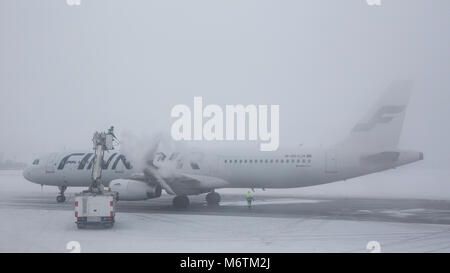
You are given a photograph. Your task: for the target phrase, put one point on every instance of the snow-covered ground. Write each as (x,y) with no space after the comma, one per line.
(29,230)
(33,222)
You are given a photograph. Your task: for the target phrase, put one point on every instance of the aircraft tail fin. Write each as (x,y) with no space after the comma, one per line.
(380,129)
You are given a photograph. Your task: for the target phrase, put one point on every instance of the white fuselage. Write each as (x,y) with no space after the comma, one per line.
(288,169)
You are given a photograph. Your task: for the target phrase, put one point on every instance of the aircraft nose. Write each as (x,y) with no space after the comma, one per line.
(27,174)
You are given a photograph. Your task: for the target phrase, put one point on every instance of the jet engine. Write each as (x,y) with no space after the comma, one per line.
(133,190)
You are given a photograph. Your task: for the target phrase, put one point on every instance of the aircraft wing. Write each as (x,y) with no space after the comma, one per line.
(181,183)
(162,169)
(151,176)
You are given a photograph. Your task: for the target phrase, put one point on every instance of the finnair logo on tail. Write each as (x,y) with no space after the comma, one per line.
(384,115)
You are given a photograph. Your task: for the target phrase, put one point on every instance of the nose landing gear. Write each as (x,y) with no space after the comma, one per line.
(61,198)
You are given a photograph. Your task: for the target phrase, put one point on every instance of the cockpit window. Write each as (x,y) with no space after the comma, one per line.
(194,166)
(36,162)
(179,164)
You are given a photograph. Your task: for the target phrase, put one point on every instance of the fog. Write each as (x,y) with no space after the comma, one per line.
(66,71)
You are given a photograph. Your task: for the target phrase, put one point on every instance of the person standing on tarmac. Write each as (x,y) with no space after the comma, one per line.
(249,198)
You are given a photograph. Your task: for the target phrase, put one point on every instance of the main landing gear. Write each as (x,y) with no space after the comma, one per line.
(61,198)
(213,199)
(180,201)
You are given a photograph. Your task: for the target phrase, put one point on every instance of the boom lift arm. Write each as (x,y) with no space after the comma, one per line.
(101,142)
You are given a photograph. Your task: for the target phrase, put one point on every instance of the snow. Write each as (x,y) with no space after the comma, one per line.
(49,231)
(33,222)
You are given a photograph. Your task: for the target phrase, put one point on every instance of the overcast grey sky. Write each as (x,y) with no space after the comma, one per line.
(67,71)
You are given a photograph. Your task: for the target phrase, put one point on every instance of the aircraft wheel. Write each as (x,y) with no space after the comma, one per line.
(60,199)
(180,202)
(213,199)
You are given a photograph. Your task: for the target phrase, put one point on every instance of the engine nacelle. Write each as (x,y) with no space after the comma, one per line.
(133,190)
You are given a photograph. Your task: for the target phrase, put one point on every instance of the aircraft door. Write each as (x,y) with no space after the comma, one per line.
(224,165)
(331,162)
(50,166)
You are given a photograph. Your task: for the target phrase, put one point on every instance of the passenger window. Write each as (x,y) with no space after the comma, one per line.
(36,162)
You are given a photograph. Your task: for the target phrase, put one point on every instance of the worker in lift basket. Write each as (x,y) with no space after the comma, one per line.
(249,198)
(111,132)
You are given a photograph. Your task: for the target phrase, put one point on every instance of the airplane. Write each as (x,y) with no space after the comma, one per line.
(371,146)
